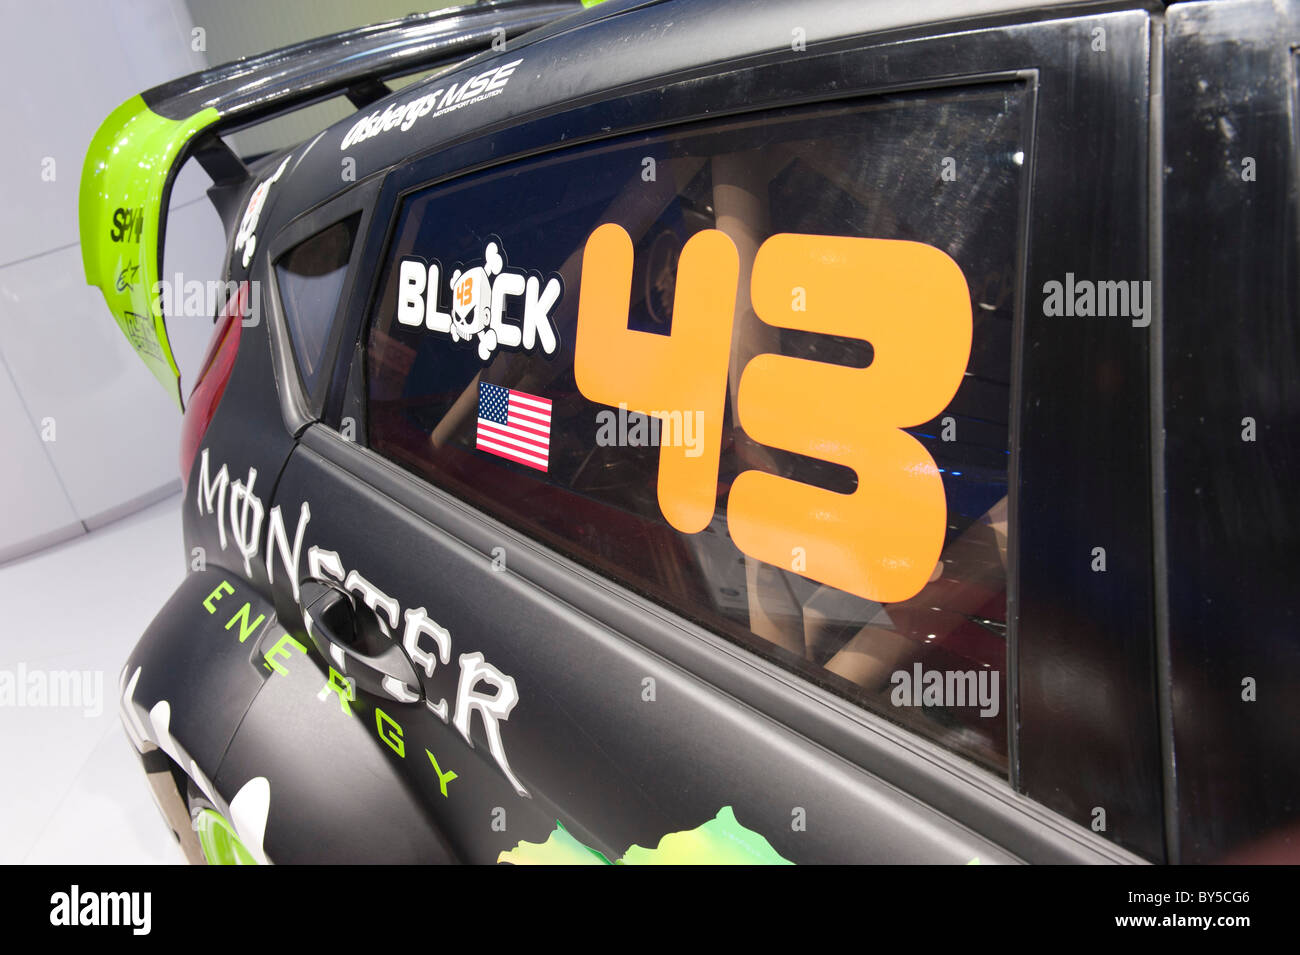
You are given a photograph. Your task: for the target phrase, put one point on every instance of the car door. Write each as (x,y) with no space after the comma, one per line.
(623,376)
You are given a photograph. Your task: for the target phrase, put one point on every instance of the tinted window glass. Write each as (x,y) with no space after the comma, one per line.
(310,278)
(473,385)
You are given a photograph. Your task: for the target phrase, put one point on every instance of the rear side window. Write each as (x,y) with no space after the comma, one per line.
(310,280)
(757,370)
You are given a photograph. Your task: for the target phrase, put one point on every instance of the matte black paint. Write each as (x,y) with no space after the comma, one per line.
(729,729)
(335,794)
(206,676)
(614,768)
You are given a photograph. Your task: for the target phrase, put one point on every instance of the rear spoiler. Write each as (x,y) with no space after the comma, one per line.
(133,159)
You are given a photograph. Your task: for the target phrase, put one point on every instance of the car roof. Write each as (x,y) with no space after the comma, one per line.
(625,44)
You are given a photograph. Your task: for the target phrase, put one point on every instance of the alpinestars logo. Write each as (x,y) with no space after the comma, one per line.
(480,300)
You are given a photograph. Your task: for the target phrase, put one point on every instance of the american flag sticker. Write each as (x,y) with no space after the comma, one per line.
(515,425)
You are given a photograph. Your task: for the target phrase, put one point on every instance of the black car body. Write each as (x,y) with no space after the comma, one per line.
(1051,246)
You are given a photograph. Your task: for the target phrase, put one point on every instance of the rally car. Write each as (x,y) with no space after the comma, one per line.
(732,431)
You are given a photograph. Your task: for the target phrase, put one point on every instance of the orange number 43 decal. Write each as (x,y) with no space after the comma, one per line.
(909,300)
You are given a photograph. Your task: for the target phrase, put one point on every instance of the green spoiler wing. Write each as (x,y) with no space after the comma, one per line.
(125,183)
(127,176)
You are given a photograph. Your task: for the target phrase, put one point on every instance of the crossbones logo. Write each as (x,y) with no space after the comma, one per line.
(471,298)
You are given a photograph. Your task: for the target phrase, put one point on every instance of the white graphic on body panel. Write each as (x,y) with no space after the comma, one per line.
(481,295)
(245,238)
(248,809)
(444,99)
(240,511)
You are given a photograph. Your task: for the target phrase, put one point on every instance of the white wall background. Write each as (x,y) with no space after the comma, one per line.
(86,433)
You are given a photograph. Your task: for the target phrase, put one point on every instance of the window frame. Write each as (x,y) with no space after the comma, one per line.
(799,127)
(300,404)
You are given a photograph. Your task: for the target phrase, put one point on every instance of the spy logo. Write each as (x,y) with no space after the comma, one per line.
(127,225)
(475,304)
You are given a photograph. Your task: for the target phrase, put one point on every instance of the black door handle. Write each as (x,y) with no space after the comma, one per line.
(350,635)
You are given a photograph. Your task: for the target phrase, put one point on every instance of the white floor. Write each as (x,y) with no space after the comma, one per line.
(71,789)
